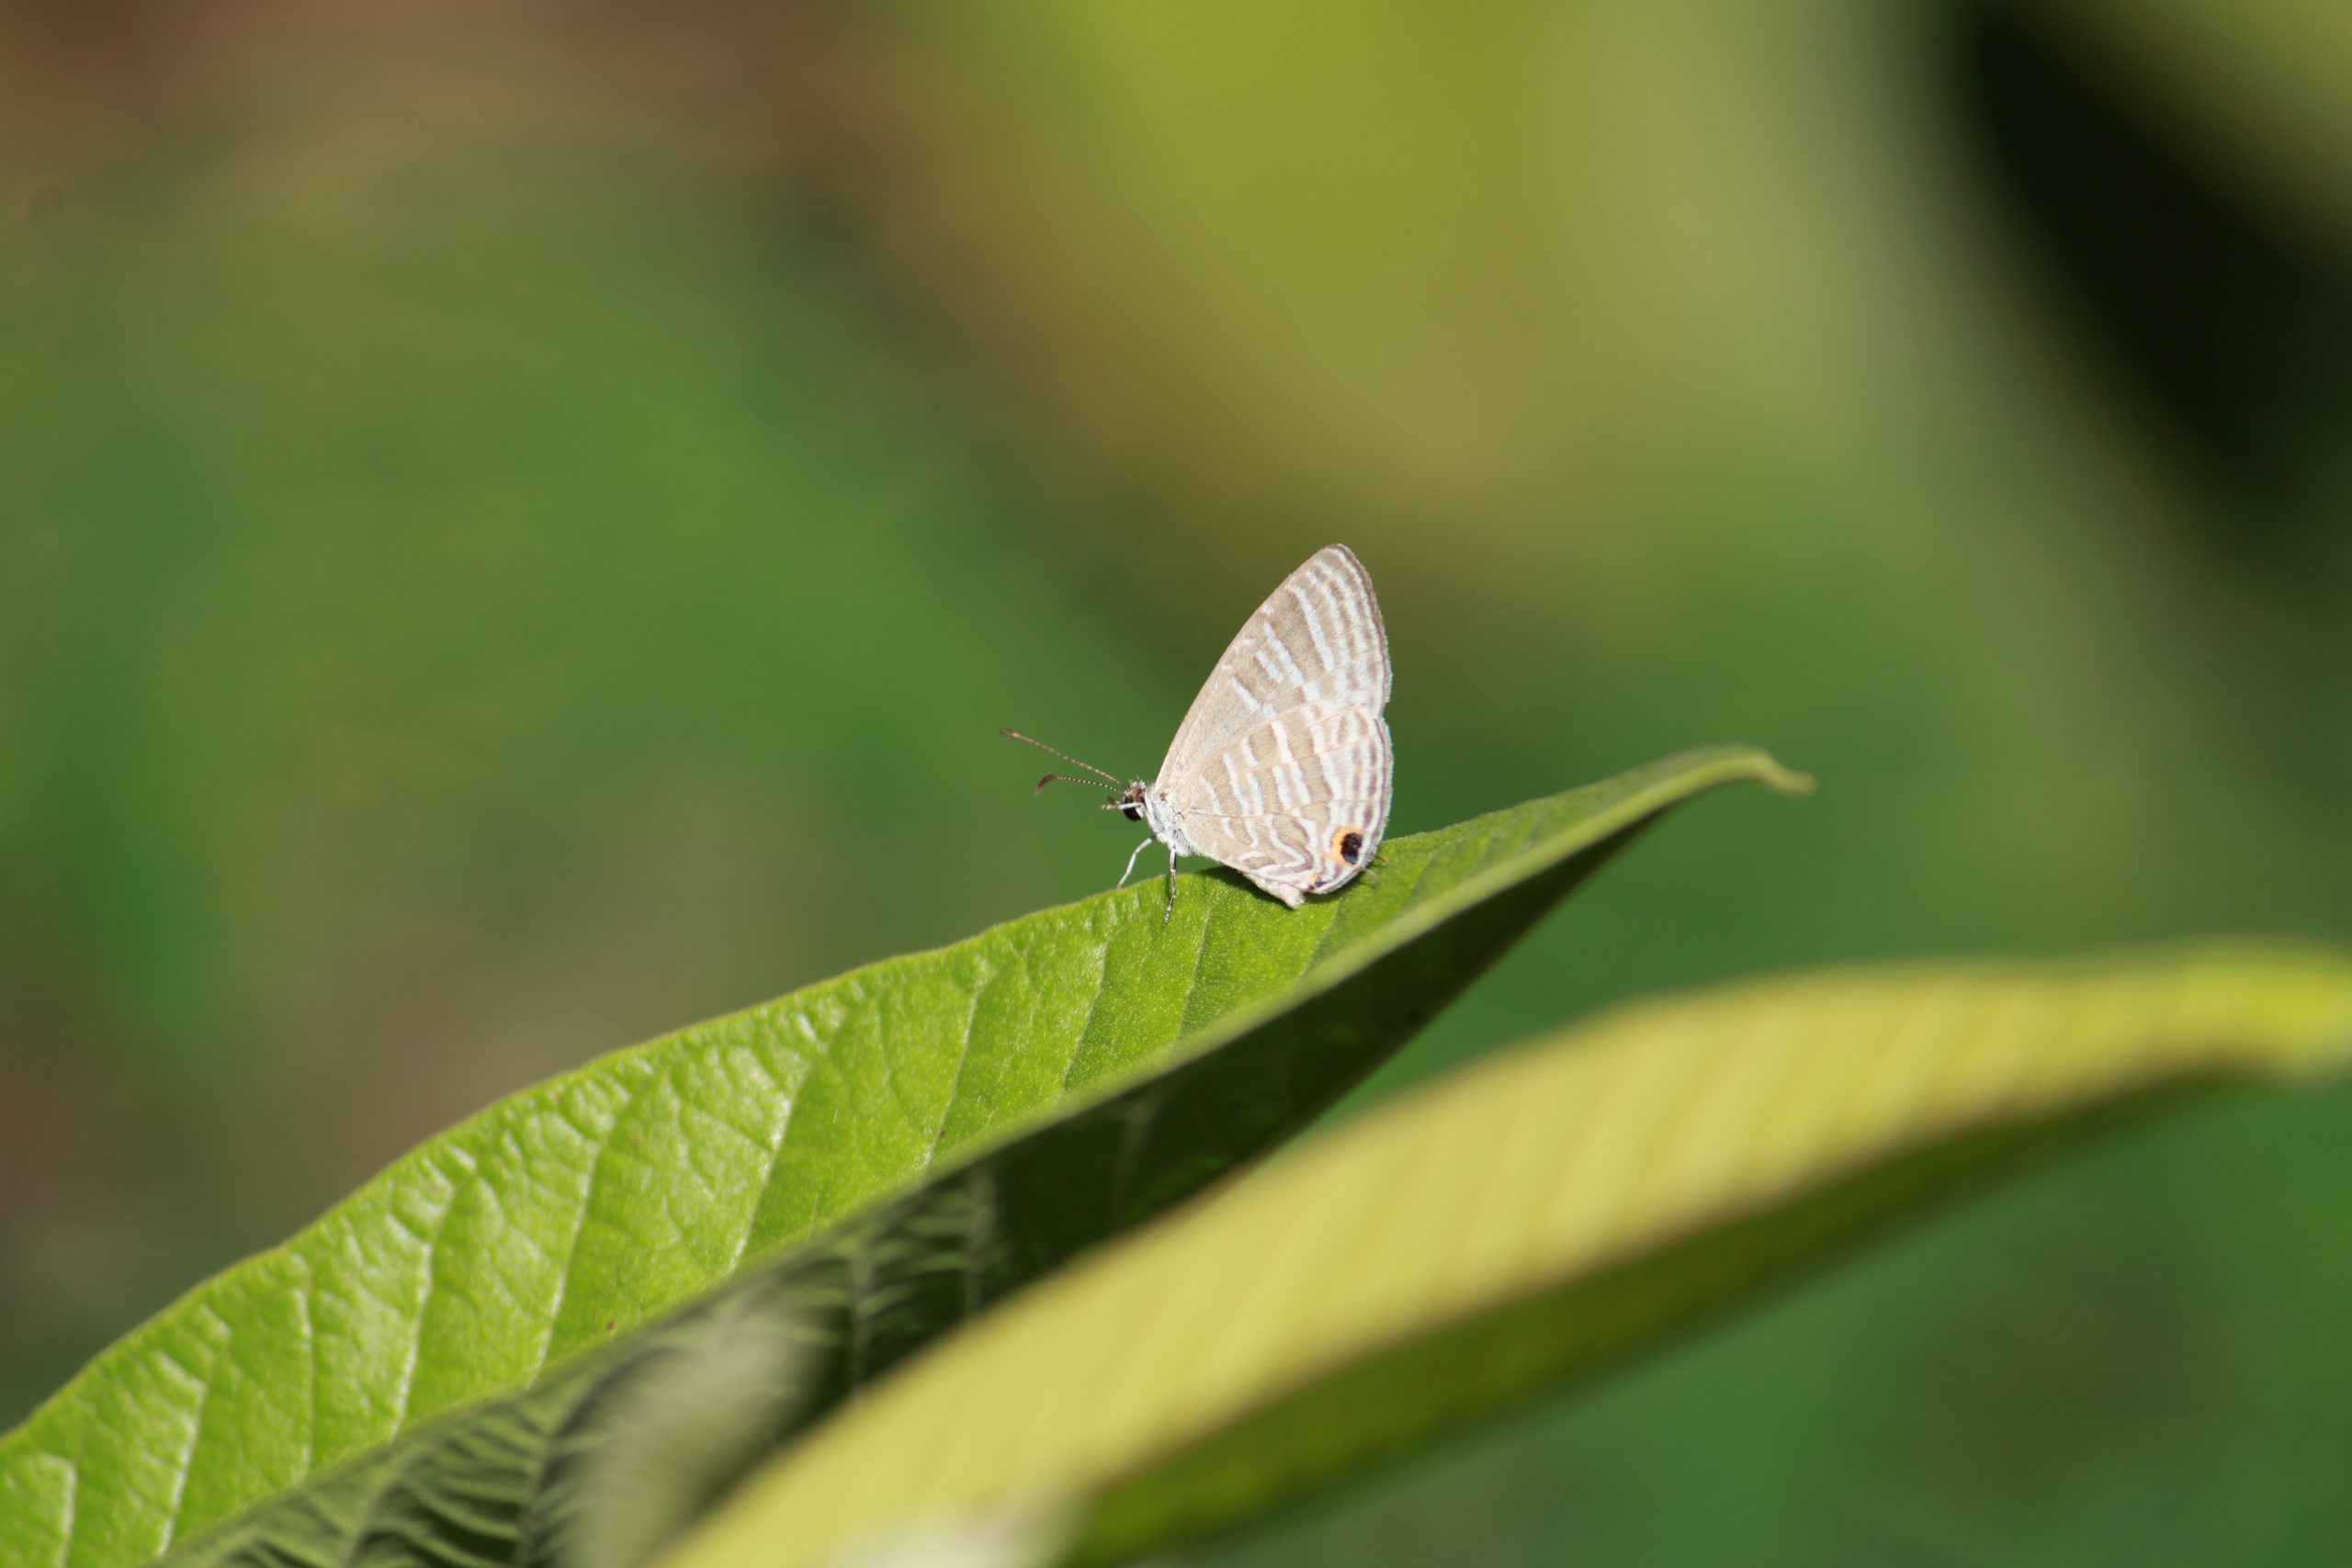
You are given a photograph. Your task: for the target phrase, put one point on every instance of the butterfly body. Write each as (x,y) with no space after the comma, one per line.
(1283,768)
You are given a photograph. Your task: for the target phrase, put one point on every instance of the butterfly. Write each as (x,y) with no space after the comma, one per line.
(1283,769)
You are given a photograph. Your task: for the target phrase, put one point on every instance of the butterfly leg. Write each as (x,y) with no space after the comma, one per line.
(1131,865)
(1165,915)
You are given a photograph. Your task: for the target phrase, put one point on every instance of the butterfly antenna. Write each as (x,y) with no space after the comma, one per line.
(1067,778)
(1073,761)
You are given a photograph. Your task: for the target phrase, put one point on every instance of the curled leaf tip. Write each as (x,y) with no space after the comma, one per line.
(1755,763)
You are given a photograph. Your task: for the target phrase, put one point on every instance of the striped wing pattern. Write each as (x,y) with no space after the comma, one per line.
(1282,770)
(1318,639)
(1298,803)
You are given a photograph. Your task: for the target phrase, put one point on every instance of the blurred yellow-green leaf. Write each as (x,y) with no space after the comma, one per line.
(1543,1215)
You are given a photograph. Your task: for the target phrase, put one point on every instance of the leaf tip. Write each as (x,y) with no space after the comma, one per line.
(1775,775)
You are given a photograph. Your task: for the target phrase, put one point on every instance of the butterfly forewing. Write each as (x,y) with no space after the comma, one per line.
(1318,639)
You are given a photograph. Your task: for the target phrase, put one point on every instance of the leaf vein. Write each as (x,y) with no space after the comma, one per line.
(1094,1007)
(989,976)
(602,1144)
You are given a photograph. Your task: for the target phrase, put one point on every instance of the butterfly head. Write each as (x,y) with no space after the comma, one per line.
(1130,804)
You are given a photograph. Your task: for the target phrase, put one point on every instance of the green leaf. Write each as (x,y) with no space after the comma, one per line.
(1533,1219)
(552,1222)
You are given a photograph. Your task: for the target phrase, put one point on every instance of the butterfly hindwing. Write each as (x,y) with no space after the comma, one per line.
(1298,803)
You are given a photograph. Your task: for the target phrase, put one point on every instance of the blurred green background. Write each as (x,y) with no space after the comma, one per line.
(518,527)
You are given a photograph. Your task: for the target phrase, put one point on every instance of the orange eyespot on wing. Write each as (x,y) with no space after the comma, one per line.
(1346,844)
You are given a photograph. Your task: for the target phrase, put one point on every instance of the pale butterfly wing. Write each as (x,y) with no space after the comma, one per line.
(1282,770)
(1318,639)
(1296,803)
